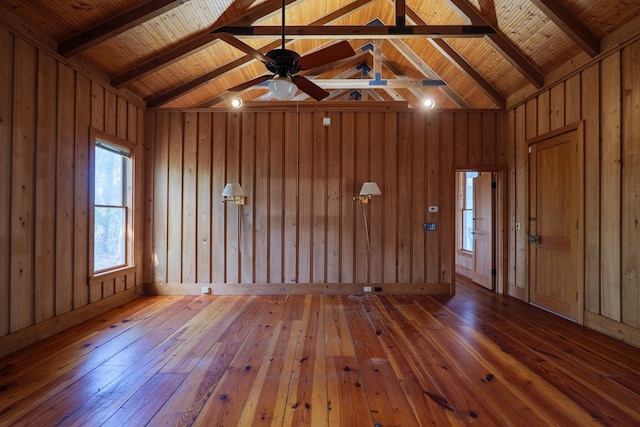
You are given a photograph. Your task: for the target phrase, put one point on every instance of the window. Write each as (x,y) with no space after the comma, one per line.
(466,196)
(112,198)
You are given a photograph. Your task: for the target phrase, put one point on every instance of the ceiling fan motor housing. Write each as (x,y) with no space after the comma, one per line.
(285,62)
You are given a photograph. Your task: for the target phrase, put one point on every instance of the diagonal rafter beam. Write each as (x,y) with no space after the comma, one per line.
(500,43)
(466,68)
(205,78)
(193,45)
(115,26)
(570,25)
(415,60)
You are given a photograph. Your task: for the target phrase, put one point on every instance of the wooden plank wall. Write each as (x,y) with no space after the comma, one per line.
(300,224)
(606,96)
(46,111)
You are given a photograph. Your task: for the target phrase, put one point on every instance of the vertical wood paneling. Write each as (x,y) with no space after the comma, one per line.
(347,191)
(590,103)
(22,186)
(289,163)
(557,102)
(301,224)
(334,178)
(610,187)
(6,123)
(511,210)
(376,208)
(261,199)
(204,199)
(174,200)
(521,229)
(189,197)
(446,202)
(277,215)
(319,258)
(362,156)
(631,186)
(218,229)
(404,197)
(572,88)
(474,131)
(305,143)
(46,110)
(149,255)
(390,234)
(434,194)
(81,205)
(247,173)
(461,134)
(45,201)
(65,189)
(489,139)
(160,196)
(544,112)
(420,169)
(234,135)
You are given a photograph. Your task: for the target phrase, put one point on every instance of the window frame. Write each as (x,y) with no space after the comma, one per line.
(462,209)
(100,138)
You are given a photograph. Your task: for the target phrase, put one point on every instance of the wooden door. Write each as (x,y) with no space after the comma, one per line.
(555,246)
(483,231)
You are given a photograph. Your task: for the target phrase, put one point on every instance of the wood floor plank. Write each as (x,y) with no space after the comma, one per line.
(475,358)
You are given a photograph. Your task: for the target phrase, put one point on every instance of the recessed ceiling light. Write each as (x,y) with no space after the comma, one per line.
(236,102)
(429,103)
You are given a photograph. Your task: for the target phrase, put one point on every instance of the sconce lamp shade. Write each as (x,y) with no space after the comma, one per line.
(233,192)
(368,190)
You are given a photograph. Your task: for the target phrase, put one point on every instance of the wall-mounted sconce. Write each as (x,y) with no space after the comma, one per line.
(368,190)
(233,193)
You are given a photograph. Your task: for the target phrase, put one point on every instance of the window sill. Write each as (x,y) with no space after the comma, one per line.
(111,274)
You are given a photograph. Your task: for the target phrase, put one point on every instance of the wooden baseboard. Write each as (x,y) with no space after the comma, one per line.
(298,288)
(27,336)
(612,328)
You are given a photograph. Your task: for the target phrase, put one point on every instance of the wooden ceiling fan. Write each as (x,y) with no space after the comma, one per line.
(283,64)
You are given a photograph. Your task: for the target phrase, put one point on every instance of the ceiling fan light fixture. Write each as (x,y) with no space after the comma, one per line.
(282,89)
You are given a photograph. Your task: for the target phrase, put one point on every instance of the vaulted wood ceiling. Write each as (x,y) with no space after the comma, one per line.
(461,53)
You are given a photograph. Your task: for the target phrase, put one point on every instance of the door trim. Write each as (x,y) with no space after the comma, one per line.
(500,231)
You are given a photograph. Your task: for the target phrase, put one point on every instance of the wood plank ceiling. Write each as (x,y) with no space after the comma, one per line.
(170,53)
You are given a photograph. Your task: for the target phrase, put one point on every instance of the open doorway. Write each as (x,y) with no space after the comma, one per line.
(479,240)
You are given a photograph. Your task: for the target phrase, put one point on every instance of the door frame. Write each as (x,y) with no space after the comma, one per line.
(500,228)
(579,262)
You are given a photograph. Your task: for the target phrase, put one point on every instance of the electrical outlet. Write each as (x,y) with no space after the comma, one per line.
(367,288)
(206,290)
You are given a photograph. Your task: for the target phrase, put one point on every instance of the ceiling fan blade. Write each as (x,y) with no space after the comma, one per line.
(240,45)
(328,54)
(248,84)
(310,88)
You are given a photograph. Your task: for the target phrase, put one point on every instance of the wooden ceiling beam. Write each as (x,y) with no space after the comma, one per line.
(570,25)
(400,13)
(456,59)
(115,26)
(415,60)
(201,80)
(192,46)
(500,43)
(360,31)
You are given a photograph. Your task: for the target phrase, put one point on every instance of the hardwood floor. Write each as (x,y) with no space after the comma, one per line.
(375,360)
